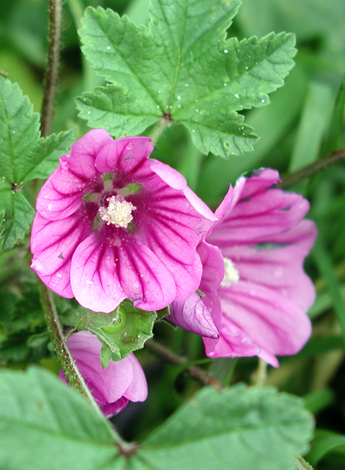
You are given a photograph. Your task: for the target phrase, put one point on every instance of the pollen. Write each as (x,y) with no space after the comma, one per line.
(231,275)
(118,212)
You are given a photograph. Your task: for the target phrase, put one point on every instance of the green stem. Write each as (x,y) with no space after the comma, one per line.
(260,375)
(64,357)
(54,44)
(158,129)
(51,316)
(320,165)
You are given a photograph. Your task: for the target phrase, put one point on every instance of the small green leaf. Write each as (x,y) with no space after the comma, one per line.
(121,332)
(184,69)
(24,155)
(253,428)
(17,216)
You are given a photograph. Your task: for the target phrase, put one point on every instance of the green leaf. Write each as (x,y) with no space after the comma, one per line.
(47,153)
(253,428)
(121,332)
(314,121)
(337,122)
(324,264)
(24,155)
(45,424)
(183,69)
(324,442)
(113,109)
(271,123)
(17,216)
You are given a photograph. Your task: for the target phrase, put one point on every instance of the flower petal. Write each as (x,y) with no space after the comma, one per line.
(123,155)
(111,409)
(144,277)
(104,274)
(277,263)
(111,382)
(259,212)
(61,195)
(81,161)
(213,267)
(232,342)
(272,321)
(168,174)
(137,390)
(194,316)
(53,244)
(93,276)
(63,192)
(167,223)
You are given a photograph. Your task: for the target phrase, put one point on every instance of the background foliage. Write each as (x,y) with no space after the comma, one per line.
(305,121)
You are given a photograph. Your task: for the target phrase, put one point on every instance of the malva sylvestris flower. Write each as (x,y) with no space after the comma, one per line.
(113,224)
(112,387)
(253,280)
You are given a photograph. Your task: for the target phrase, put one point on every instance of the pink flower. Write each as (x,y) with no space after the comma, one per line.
(112,387)
(253,279)
(112,224)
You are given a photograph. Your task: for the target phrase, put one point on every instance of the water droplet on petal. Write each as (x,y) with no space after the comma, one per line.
(64,165)
(36,265)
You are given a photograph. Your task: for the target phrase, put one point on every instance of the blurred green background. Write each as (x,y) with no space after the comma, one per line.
(304,122)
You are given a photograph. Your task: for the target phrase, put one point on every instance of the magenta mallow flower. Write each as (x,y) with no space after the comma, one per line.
(113,224)
(112,387)
(253,280)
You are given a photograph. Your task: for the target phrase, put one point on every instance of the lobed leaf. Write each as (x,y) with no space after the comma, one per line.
(179,66)
(45,424)
(253,428)
(24,155)
(113,109)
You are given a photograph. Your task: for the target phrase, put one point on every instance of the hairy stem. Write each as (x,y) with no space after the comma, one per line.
(57,338)
(51,316)
(320,165)
(168,356)
(51,78)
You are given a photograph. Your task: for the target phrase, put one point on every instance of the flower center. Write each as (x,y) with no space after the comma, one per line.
(231,274)
(118,212)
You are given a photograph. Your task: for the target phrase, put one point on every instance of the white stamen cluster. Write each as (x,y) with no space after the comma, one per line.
(118,212)
(231,274)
